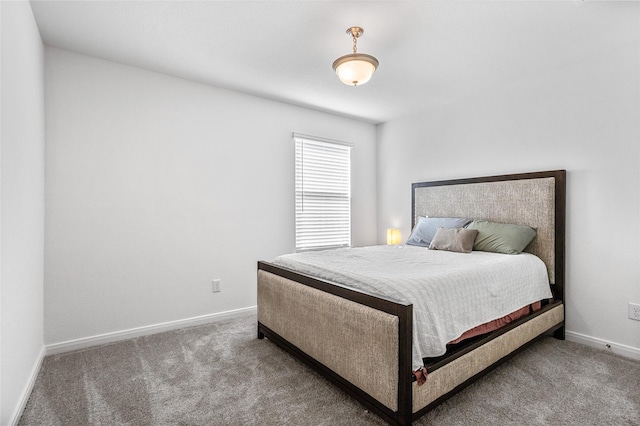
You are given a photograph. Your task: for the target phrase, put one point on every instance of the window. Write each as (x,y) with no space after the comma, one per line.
(323,194)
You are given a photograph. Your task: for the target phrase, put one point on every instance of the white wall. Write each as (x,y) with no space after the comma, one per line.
(157,185)
(584,118)
(22,207)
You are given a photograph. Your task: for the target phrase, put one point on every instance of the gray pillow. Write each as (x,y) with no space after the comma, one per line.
(454,239)
(501,237)
(426,228)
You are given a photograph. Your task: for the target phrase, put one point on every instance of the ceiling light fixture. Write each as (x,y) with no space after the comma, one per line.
(355,68)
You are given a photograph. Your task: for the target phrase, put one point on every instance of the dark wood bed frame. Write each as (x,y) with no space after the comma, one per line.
(406,413)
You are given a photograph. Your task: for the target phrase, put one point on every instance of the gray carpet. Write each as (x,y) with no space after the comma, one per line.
(220,374)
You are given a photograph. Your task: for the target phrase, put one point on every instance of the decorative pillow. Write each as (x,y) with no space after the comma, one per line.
(426,228)
(501,237)
(454,239)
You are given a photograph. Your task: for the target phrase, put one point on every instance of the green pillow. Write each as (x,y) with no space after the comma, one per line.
(501,237)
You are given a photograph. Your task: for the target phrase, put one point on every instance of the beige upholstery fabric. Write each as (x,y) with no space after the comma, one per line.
(522,202)
(355,341)
(446,378)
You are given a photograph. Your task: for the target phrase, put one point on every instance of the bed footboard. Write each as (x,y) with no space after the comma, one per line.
(355,345)
(363,343)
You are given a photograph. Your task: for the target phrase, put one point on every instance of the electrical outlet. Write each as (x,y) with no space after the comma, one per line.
(634,311)
(215,286)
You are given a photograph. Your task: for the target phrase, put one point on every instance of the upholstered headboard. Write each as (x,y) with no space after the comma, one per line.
(533,199)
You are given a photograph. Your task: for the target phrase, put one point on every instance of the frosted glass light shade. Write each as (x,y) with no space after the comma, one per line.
(355,69)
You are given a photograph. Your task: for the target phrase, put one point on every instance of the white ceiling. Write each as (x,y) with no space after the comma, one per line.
(431,53)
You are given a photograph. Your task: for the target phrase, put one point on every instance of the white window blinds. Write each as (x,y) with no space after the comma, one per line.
(323,194)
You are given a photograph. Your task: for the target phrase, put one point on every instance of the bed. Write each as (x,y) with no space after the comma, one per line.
(364,341)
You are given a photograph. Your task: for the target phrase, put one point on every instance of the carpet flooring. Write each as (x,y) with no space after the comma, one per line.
(220,374)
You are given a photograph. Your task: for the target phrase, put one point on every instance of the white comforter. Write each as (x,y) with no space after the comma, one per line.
(450,292)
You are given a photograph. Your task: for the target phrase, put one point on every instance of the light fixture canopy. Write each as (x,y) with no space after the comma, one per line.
(355,68)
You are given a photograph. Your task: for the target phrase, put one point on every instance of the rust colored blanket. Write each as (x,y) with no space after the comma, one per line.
(421,375)
(490,326)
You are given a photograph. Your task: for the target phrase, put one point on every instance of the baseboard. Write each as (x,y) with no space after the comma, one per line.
(85,342)
(617,348)
(26,392)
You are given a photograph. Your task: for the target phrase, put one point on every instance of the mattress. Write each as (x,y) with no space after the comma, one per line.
(450,292)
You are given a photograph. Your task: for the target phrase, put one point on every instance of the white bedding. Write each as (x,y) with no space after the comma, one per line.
(450,292)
